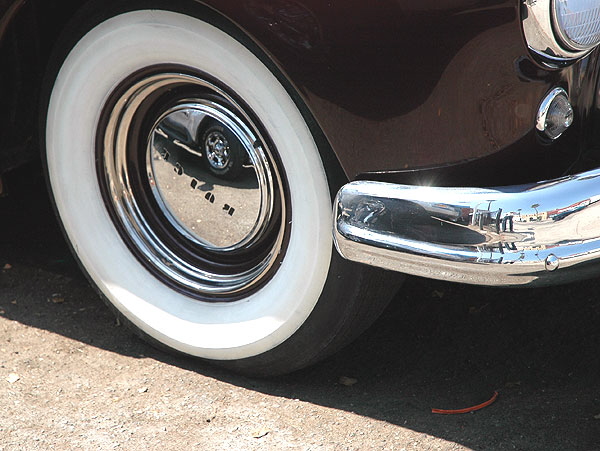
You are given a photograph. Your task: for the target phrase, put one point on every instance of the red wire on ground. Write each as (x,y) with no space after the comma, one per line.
(468,409)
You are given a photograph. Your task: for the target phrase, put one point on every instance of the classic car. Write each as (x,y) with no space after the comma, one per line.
(450,139)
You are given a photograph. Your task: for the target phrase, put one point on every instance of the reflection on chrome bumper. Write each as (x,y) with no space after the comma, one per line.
(539,234)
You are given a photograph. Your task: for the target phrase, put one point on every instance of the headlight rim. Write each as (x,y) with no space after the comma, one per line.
(563,39)
(540,31)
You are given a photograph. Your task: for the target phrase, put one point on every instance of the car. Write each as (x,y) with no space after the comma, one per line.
(349,144)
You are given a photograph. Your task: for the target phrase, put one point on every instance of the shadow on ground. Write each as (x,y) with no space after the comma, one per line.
(437,345)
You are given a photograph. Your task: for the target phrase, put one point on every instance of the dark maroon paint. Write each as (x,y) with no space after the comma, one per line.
(396,86)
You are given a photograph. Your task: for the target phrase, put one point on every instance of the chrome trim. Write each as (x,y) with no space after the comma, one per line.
(539,234)
(540,33)
(189,217)
(542,115)
(134,223)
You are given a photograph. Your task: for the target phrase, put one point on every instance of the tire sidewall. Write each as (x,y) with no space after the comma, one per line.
(218,331)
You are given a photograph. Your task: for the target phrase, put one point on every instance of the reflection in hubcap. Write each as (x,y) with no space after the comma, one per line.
(217,150)
(216,213)
(209,233)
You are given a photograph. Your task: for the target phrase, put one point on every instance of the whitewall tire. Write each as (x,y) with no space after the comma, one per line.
(245,314)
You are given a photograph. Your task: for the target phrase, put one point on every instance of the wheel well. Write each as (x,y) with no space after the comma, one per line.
(26,47)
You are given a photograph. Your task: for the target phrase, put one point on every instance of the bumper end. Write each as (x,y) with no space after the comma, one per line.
(540,234)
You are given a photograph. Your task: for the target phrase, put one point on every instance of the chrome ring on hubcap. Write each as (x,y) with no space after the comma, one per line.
(200,232)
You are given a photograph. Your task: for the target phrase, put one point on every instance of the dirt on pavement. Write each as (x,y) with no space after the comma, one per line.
(71,377)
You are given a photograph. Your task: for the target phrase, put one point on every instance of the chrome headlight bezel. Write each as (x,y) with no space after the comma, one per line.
(544,35)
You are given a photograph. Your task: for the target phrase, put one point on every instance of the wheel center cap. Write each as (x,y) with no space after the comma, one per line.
(217,212)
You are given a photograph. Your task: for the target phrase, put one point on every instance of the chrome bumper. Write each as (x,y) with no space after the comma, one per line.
(540,234)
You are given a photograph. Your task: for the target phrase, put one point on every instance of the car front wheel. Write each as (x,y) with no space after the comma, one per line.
(237,271)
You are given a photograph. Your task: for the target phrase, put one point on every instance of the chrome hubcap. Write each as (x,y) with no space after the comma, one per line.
(204,234)
(220,215)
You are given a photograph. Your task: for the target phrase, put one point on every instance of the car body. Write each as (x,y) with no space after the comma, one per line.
(450,119)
